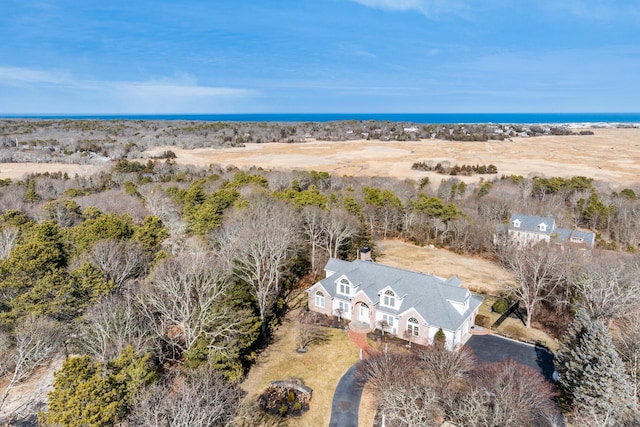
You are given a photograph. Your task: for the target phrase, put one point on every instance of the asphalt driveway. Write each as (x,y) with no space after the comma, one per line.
(493,348)
(346,400)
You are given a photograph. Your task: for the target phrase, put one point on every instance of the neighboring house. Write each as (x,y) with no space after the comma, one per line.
(410,305)
(531,229)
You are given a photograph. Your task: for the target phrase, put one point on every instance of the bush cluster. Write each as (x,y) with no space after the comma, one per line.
(467,170)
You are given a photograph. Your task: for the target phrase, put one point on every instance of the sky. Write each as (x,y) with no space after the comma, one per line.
(318,56)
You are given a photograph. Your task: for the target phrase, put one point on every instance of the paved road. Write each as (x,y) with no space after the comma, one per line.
(346,400)
(493,348)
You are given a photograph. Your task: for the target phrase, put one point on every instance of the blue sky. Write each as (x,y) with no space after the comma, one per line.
(314,56)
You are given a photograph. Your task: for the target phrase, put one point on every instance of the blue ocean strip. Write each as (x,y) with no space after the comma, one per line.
(420,118)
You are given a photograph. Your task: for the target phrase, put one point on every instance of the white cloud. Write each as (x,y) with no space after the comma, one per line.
(366,54)
(175,90)
(595,10)
(429,8)
(16,76)
(179,93)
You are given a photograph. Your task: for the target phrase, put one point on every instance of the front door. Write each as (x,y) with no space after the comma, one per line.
(364,313)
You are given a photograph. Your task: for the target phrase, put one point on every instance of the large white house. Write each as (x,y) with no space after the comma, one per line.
(410,305)
(531,229)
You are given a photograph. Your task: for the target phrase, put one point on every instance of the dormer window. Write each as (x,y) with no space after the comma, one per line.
(516,223)
(344,287)
(389,298)
(542,226)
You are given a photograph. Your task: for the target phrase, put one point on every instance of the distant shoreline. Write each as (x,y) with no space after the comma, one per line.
(566,119)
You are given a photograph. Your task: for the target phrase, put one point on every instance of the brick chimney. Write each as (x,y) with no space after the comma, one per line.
(365,253)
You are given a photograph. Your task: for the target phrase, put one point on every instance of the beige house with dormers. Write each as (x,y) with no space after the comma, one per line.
(407,304)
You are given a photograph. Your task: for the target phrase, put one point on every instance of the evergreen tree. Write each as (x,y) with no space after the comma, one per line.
(89,393)
(569,341)
(592,375)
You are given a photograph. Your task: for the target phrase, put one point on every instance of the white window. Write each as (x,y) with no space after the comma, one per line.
(413,328)
(542,227)
(344,288)
(389,319)
(344,307)
(389,298)
(319,299)
(516,223)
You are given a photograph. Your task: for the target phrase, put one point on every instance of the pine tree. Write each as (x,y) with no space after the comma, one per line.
(563,357)
(592,375)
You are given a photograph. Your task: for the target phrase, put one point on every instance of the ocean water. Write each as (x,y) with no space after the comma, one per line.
(420,118)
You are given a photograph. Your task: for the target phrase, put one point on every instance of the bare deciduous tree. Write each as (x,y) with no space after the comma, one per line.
(411,403)
(505,394)
(539,269)
(112,324)
(313,219)
(8,238)
(605,288)
(36,339)
(340,227)
(307,334)
(186,299)
(446,368)
(119,261)
(161,205)
(405,397)
(200,398)
(256,242)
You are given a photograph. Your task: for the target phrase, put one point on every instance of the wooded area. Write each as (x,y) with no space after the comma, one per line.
(160,283)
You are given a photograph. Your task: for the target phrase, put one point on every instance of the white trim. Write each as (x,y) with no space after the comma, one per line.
(397,299)
(343,281)
(317,298)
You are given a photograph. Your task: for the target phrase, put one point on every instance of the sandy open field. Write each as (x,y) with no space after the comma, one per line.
(611,155)
(19,170)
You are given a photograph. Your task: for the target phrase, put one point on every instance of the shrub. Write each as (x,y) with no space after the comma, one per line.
(500,306)
(439,338)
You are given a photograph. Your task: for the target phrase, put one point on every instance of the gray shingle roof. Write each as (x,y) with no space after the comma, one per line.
(428,294)
(530,223)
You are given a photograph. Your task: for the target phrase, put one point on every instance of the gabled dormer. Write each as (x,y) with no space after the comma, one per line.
(344,286)
(389,298)
(542,227)
(516,223)
(461,306)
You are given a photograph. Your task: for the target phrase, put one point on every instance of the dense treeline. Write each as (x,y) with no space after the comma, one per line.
(155,275)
